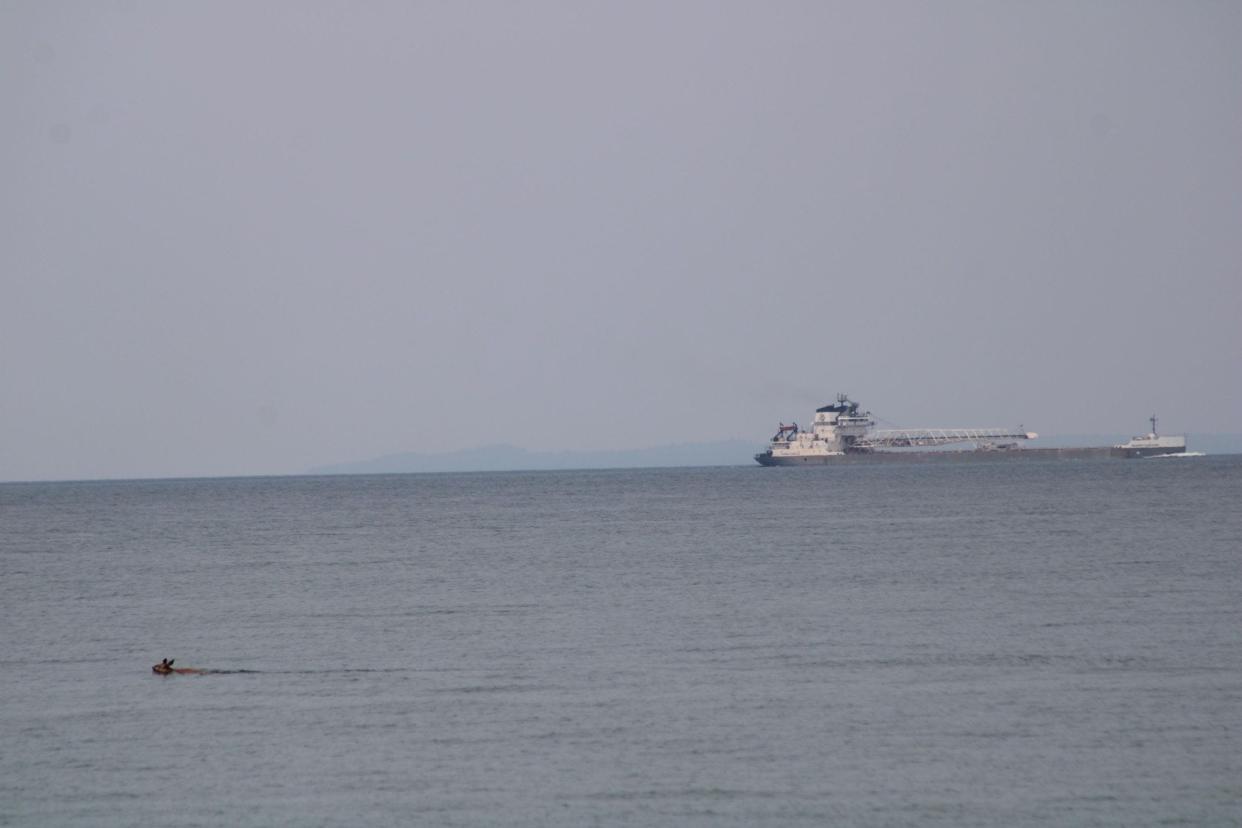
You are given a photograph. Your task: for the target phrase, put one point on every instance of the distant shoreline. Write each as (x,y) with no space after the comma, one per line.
(505,458)
(512,458)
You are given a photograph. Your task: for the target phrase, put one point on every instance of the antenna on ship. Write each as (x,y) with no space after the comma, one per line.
(1153,423)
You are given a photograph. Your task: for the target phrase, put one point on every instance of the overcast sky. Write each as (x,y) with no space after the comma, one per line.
(244,238)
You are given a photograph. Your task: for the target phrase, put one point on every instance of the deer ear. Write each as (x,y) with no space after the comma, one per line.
(170,661)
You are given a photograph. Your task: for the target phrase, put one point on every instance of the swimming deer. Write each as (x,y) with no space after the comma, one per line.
(166,668)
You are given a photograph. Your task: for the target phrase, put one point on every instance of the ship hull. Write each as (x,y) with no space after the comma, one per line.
(1147,451)
(765,459)
(972,455)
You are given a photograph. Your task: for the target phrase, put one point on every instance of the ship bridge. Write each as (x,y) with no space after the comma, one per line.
(912,437)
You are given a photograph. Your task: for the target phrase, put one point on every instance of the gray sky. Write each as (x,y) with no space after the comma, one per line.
(251,238)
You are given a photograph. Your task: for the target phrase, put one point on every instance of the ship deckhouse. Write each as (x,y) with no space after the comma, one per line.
(841,425)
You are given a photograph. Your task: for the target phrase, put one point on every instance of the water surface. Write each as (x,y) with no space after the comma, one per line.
(975,644)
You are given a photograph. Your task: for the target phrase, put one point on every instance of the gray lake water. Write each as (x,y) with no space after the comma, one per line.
(975,644)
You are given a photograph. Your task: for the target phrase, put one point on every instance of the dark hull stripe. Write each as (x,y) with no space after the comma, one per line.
(765,459)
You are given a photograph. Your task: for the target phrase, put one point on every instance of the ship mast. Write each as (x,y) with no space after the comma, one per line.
(1153,425)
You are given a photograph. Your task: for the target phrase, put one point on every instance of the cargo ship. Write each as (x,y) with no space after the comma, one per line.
(841,433)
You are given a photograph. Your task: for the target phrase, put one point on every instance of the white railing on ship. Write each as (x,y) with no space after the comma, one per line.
(903,437)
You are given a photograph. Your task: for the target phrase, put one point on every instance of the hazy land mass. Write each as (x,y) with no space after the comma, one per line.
(512,458)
